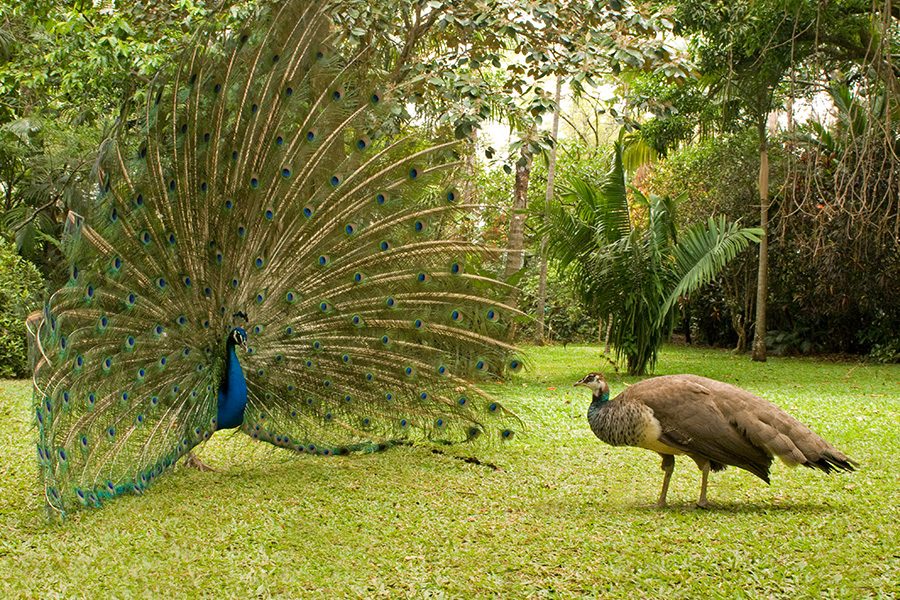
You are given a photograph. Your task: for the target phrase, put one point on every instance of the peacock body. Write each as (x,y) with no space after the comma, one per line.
(266,251)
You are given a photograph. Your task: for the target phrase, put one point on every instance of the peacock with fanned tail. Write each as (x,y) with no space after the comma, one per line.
(264,252)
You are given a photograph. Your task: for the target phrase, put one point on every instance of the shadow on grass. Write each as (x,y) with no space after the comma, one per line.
(742,508)
(587,510)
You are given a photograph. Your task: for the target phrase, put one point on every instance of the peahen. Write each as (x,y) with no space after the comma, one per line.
(270,248)
(716,424)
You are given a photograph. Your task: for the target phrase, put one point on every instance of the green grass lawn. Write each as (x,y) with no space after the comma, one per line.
(564,515)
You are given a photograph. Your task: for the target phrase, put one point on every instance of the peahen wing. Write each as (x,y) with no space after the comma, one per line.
(267,175)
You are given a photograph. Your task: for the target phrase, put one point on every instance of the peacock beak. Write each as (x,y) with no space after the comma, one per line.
(244,345)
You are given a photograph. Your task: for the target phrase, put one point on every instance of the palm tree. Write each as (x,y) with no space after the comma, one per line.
(627,261)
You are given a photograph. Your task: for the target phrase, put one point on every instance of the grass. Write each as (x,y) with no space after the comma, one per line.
(564,516)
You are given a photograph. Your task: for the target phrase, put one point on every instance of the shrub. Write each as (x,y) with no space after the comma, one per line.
(565,319)
(832,282)
(21,291)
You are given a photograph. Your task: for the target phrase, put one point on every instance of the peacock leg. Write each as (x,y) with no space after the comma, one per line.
(702,503)
(192,461)
(668,465)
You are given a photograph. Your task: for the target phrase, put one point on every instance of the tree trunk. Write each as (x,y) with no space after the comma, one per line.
(548,198)
(469,190)
(686,323)
(762,282)
(608,332)
(515,245)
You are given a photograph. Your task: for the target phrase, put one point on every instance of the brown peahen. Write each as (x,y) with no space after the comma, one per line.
(270,249)
(716,424)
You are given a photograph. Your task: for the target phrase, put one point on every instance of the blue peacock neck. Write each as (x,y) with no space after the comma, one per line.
(232,390)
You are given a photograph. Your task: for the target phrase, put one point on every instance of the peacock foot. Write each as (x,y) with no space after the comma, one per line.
(192,461)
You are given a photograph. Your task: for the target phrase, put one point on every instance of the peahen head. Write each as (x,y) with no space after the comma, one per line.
(596,382)
(238,337)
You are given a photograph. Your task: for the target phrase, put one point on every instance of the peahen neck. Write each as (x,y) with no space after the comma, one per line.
(232,391)
(601,399)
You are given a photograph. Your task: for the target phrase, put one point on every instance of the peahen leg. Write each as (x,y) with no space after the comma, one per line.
(191,460)
(668,465)
(702,503)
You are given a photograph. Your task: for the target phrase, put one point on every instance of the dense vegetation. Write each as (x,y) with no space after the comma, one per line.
(21,289)
(710,103)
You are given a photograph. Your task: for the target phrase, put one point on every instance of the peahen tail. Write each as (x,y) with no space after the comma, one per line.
(269,177)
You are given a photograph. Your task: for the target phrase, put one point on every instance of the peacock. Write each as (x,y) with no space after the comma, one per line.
(714,423)
(270,249)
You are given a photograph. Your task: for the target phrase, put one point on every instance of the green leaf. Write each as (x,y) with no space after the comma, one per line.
(703,252)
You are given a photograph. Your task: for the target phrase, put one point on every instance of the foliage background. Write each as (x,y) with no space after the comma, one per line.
(689,108)
(21,291)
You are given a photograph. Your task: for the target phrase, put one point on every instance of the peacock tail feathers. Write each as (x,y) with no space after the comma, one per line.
(266,183)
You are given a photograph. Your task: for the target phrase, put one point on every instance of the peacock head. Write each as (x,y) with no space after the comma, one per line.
(596,382)
(238,337)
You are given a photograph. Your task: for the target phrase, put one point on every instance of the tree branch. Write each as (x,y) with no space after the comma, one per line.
(34,215)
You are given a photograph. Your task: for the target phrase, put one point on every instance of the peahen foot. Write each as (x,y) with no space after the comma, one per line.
(192,461)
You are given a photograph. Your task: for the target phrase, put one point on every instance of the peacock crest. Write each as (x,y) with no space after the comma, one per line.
(267,193)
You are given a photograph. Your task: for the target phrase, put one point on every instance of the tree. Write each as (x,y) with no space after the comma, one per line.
(748,50)
(21,288)
(626,260)
(548,198)
(66,71)
(459,62)
(464,62)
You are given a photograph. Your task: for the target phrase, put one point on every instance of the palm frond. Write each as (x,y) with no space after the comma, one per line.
(661,217)
(570,227)
(635,151)
(588,215)
(615,219)
(703,252)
